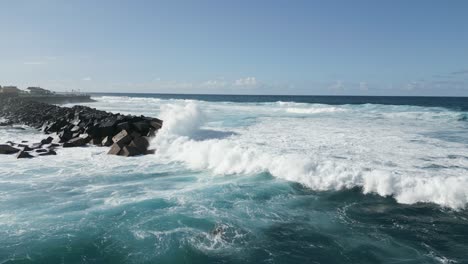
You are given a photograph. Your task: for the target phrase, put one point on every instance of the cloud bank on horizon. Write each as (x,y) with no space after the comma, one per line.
(337,47)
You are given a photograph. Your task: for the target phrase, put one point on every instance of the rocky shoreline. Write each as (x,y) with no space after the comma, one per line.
(77,126)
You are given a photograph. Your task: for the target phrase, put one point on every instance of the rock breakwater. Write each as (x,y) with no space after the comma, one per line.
(77,126)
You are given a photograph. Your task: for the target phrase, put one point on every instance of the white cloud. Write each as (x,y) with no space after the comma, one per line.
(86,79)
(248,81)
(214,83)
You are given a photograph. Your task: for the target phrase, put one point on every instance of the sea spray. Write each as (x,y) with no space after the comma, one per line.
(236,156)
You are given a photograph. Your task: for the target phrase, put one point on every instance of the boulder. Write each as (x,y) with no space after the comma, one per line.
(152,132)
(123,126)
(75,129)
(24,155)
(47,140)
(142,127)
(41,150)
(135,134)
(150,152)
(107,141)
(48,153)
(7,123)
(122,138)
(75,142)
(65,135)
(96,141)
(156,123)
(35,146)
(26,148)
(115,149)
(141,143)
(7,149)
(129,151)
(107,128)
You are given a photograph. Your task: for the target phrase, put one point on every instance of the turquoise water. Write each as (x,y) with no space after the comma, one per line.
(248,182)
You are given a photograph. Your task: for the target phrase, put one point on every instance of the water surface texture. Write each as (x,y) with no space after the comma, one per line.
(250,179)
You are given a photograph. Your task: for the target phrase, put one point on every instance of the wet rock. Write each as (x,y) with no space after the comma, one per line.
(7,149)
(48,153)
(41,150)
(142,127)
(47,140)
(24,155)
(25,147)
(107,141)
(129,151)
(75,129)
(156,123)
(79,125)
(122,138)
(75,142)
(107,128)
(115,149)
(152,132)
(36,146)
(7,123)
(141,143)
(65,135)
(150,152)
(96,141)
(124,126)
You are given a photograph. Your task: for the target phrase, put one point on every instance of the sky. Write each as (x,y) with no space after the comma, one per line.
(359,47)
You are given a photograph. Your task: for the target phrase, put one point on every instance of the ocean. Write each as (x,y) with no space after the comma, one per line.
(250,179)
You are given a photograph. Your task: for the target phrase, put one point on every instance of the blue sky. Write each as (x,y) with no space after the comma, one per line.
(417,47)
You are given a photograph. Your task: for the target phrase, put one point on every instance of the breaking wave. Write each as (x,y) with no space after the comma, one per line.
(236,155)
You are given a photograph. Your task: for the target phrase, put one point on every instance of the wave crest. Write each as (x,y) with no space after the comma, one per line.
(236,156)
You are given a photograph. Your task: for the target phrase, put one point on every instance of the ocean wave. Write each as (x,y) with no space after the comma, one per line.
(314,110)
(235,155)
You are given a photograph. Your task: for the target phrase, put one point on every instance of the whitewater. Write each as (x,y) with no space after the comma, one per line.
(244,182)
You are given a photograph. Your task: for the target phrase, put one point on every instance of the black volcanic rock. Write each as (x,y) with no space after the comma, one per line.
(107,142)
(40,150)
(48,153)
(24,155)
(47,140)
(75,142)
(79,125)
(129,151)
(141,143)
(7,149)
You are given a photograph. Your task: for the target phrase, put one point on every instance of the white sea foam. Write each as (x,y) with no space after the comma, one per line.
(411,153)
(313,110)
(382,158)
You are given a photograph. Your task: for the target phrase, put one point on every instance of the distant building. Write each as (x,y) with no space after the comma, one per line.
(39,91)
(10,90)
